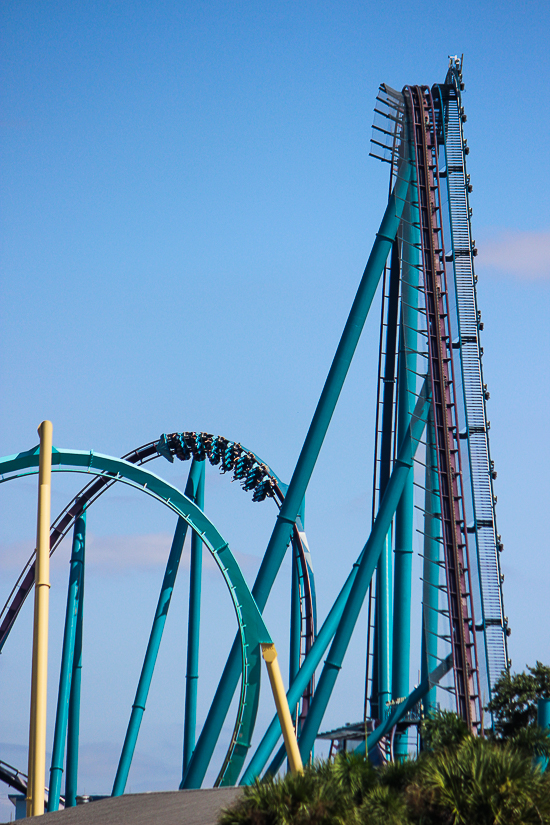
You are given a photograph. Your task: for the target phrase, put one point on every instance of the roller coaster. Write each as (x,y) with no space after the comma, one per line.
(431,458)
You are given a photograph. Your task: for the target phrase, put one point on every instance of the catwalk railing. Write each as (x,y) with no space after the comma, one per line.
(476,433)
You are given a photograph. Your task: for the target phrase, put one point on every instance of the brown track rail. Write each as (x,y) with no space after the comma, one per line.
(421,118)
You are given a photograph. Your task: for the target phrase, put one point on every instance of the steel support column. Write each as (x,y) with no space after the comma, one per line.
(402,709)
(543,721)
(281,535)
(193,633)
(308,668)
(155,637)
(384,625)
(67,657)
(402,468)
(73,721)
(341,606)
(383,604)
(404,514)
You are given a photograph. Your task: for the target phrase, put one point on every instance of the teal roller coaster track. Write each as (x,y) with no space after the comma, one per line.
(431,458)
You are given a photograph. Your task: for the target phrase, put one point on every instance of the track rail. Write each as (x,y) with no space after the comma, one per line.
(253,474)
(13,777)
(422,120)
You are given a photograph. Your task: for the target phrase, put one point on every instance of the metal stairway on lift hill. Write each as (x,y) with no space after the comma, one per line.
(436,116)
(488,543)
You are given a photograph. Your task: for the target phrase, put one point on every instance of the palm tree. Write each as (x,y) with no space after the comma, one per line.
(318,796)
(481,783)
(462,780)
(384,805)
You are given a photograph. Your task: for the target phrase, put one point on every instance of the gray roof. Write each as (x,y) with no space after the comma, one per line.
(200,807)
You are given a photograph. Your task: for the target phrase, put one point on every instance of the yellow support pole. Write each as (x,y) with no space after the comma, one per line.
(283,711)
(39,683)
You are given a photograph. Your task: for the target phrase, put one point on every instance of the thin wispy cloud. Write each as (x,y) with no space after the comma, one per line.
(524,255)
(114,553)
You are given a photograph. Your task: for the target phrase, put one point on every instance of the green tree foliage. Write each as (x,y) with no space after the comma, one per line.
(322,794)
(443,730)
(482,783)
(514,701)
(463,780)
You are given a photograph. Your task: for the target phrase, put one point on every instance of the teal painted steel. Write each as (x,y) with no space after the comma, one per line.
(156,487)
(252,629)
(308,668)
(230,770)
(155,638)
(543,713)
(280,537)
(383,614)
(73,721)
(295,623)
(193,632)
(384,625)
(402,709)
(65,520)
(408,346)
(67,656)
(246,715)
(371,553)
(341,605)
(543,721)
(430,575)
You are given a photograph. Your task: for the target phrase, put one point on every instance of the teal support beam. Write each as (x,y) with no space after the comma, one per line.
(340,606)
(281,534)
(308,668)
(73,720)
(408,704)
(408,345)
(155,637)
(543,721)
(430,574)
(193,634)
(67,656)
(60,731)
(373,548)
(252,629)
(384,624)
(381,682)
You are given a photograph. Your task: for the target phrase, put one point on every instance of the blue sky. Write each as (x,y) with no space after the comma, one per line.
(187,207)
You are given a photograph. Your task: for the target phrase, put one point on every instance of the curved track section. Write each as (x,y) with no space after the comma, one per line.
(252,630)
(255,476)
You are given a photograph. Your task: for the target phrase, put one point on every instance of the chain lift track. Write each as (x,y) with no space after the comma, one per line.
(476,434)
(433,461)
(422,120)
